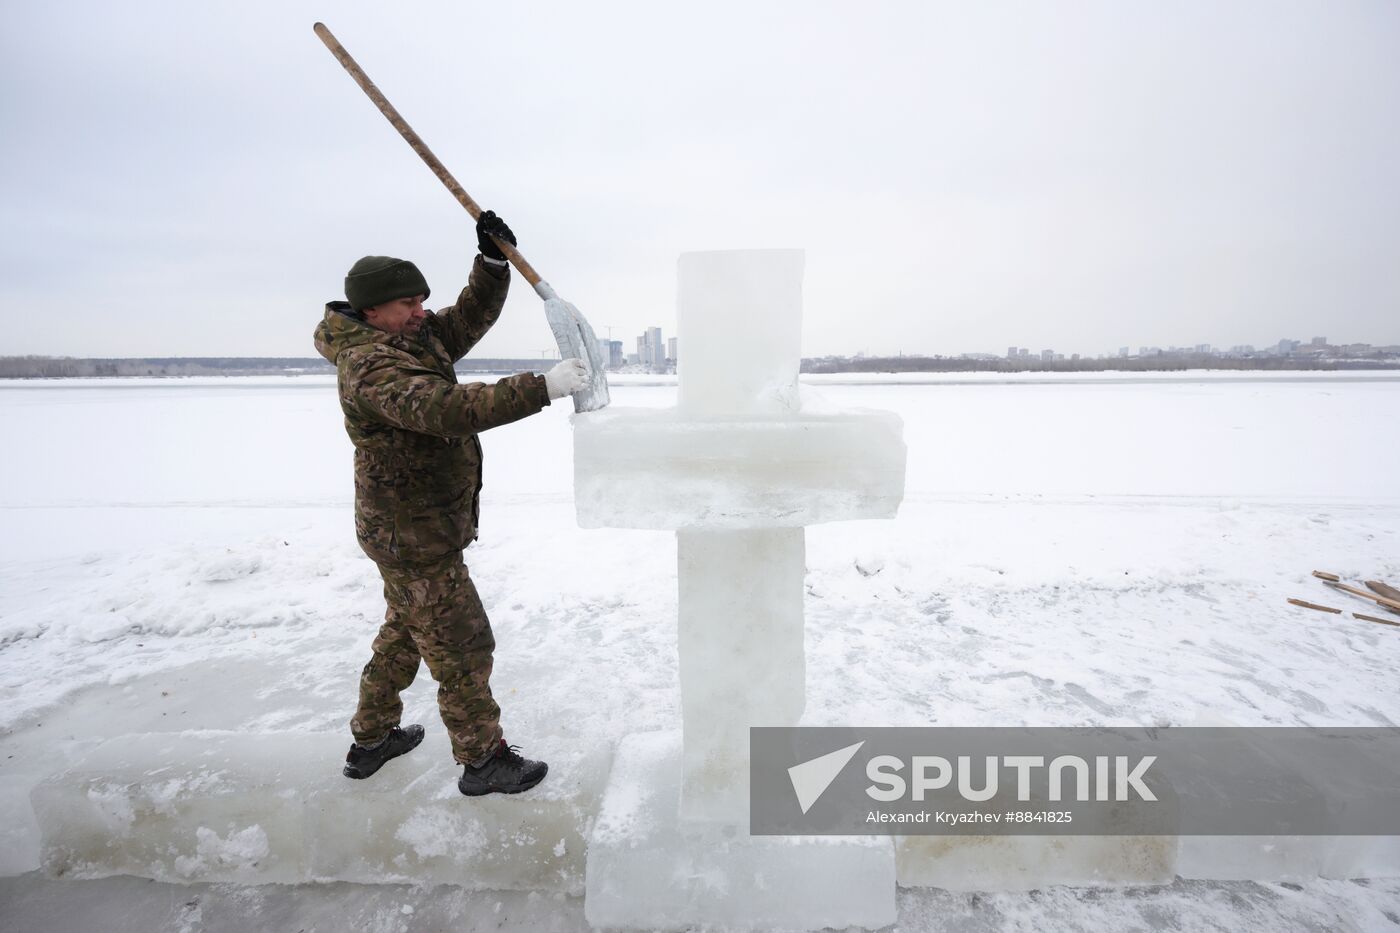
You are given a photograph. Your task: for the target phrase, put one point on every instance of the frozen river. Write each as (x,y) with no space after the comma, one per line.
(1106,549)
(261,441)
(278,442)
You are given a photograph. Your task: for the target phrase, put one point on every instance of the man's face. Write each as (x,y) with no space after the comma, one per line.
(402,316)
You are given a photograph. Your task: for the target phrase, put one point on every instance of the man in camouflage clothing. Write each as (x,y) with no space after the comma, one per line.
(417,498)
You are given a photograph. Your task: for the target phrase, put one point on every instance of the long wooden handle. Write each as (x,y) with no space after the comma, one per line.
(420,147)
(1382,589)
(1392,604)
(1307,605)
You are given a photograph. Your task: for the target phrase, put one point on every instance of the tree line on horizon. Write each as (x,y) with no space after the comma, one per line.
(1157,363)
(51,367)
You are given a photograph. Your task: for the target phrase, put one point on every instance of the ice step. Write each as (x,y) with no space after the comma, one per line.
(649,869)
(274,808)
(1288,858)
(1017,863)
(1023,863)
(19,833)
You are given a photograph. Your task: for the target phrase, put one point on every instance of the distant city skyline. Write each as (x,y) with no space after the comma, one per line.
(1140,349)
(654,350)
(650,353)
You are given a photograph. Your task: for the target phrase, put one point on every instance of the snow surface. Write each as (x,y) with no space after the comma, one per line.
(179,554)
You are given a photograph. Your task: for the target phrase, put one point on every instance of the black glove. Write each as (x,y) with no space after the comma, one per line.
(487,226)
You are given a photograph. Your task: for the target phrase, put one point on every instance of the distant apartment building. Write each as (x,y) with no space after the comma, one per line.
(671,349)
(1047,356)
(656,349)
(1319,341)
(1011,353)
(652,350)
(613,356)
(1123,352)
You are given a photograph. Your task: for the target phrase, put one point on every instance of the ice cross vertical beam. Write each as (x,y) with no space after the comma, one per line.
(739,313)
(741,657)
(738,469)
(741,645)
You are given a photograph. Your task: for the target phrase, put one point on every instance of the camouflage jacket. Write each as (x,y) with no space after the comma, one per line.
(417,457)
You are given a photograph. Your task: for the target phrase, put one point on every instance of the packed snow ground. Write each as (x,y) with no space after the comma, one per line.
(179,554)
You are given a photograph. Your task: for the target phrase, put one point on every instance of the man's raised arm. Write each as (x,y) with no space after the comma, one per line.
(479,305)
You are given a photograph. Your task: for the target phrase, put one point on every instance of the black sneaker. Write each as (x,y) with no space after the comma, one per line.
(505,772)
(361,762)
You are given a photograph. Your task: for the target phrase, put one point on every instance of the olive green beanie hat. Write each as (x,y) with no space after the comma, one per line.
(374,280)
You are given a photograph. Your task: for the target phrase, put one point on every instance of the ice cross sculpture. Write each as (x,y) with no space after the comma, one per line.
(737,469)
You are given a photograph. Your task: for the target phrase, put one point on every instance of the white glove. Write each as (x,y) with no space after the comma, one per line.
(566,378)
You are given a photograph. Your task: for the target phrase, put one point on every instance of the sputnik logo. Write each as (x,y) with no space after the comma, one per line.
(811,778)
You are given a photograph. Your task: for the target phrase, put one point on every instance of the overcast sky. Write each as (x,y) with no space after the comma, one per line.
(195,178)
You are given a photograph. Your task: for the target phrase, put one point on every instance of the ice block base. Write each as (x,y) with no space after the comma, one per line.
(649,869)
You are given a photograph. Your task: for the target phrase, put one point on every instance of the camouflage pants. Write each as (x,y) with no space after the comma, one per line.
(433,613)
